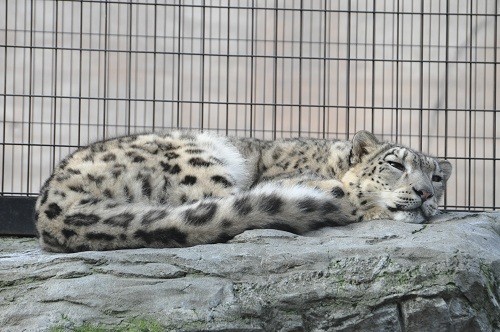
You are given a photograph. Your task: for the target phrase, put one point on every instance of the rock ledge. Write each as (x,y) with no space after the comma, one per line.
(371,276)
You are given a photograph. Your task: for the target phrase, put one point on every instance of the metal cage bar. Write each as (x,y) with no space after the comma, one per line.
(422,73)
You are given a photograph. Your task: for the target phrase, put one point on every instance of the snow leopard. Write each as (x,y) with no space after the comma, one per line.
(185,188)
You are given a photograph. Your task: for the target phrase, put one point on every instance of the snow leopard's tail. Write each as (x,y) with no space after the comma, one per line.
(114,225)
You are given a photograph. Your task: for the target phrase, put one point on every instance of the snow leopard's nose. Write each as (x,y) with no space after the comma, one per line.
(424,194)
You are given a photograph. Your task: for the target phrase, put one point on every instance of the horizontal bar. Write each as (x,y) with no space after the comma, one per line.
(71,146)
(252,56)
(215,39)
(233,103)
(268,8)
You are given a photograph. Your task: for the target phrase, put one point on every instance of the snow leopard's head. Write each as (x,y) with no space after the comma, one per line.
(393,181)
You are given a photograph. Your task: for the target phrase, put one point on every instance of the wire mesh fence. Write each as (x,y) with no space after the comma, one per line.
(423,73)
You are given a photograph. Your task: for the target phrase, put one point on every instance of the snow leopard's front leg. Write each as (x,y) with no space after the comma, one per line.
(331,186)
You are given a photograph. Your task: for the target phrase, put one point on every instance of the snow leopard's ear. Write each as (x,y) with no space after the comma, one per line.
(446,167)
(363,143)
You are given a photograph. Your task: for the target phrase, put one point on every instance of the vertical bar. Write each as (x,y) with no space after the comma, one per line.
(202,64)
(227,65)
(301,32)
(71,65)
(310,62)
(421,80)
(30,98)
(438,79)
(282,82)
(4,124)
(495,96)
(325,25)
(446,86)
(484,130)
(354,72)
(106,74)
(140,81)
(252,59)
(474,65)
(166,108)
(397,70)
(275,69)
(409,100)
(469,157)
(155,36)
(179,67)
(80,51)
(292,69)
(171,33)
(348,69)
(91,6)
(456,95)
(41,162)
(191,56)
(264,73)
(337,113)
(129,67)
(383,63)
(14,80)
(373,66)
(54,94)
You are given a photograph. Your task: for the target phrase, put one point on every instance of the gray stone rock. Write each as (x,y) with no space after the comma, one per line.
(372,276)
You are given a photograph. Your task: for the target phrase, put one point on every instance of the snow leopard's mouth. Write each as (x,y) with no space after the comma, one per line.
(400,207)
(415,216)
(423,210)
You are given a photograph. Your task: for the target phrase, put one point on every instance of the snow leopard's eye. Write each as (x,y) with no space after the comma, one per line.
(397,165)
(437,178)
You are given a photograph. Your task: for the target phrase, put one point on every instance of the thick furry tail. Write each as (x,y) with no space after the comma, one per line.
(108,226)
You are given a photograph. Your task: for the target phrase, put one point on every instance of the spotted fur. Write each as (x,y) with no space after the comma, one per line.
(181,189)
